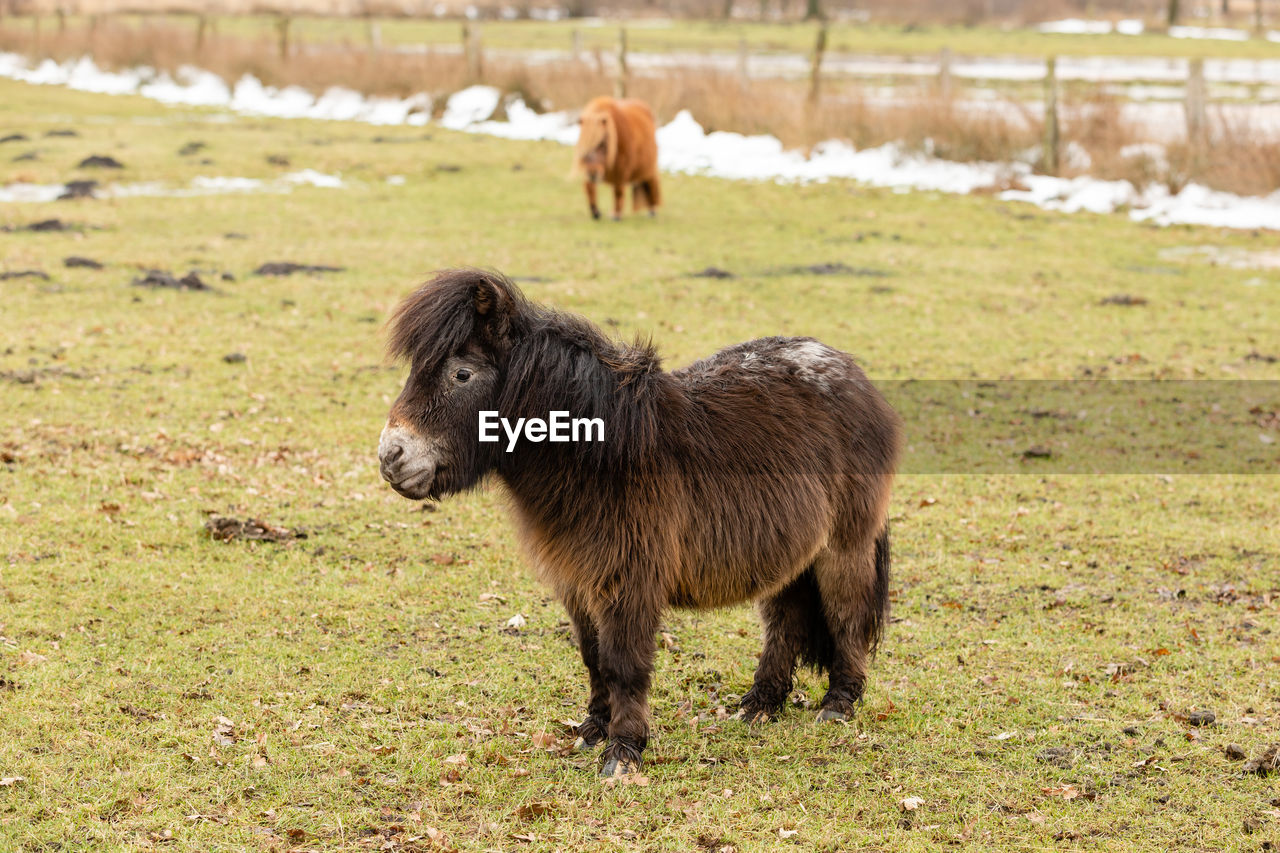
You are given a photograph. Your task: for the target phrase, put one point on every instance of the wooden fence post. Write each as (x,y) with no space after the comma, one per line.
(815,71)
(373,28)
(202,29)
(282,33)
(1051,133)
(744,76)
(620,84)
(472,48)
(1197,118)
(575,41)
(944,74)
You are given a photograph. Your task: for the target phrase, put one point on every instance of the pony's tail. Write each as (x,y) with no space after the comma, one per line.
(817,646)
(653,191)
(879,615)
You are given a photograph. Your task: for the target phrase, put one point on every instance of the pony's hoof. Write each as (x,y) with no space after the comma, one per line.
(616,768)
(595,214)
(827,715)
(753,716)
(584,745)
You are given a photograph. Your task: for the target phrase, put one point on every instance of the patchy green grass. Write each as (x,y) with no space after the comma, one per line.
(667,36)
(369,694)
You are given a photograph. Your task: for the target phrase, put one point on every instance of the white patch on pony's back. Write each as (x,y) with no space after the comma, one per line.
(815,362)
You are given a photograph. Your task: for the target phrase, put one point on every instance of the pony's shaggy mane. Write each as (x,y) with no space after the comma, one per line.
(551,360)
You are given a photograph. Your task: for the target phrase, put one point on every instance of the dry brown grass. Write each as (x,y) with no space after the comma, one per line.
(921,119)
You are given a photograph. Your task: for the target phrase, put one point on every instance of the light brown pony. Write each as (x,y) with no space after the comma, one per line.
(616,144)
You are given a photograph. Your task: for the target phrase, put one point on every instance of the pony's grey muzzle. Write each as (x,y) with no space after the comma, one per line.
(407,461)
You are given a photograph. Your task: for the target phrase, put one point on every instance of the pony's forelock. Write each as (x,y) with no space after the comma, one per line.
(592,132)
(440,317)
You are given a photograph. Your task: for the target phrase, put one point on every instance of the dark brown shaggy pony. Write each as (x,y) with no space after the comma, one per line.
(617,145)
(761,472)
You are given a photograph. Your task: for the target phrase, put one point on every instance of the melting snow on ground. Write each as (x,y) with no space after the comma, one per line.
(1134,27)
(154,189)
(683,147)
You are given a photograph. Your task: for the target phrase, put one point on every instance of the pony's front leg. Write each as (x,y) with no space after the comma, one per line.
(590,186)
(626,664)
(619,195)
(594,728)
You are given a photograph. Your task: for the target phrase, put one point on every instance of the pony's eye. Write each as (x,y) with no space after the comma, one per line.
(462,375)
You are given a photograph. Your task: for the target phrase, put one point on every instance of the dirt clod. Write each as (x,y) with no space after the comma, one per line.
(1124,299)
(1266,762)
(1201,718)
(712,272)
(14,137)
(832,268)
(61,132)
(1235,752)
(1037,452)
(1058,756)
(11,274)
(78,189)
(289,268)
(100,161)
(27,157)
(235,358)
(225,529)
(191,148)
(75,261)
(50,225)
(160,278)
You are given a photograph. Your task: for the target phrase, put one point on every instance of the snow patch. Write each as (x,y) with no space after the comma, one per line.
(199,185)
(683,145)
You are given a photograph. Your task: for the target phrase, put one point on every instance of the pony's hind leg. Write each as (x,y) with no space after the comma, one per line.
(590,187)
(594,727)
(793,624)
(854,584)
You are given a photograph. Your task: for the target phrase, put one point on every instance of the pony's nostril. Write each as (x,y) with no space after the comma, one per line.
(393,453)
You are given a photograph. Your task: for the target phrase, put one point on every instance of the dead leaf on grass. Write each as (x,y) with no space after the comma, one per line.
(1068,792)
(535,809)
(382,749)
(224,732)
(910,804)
(10,781)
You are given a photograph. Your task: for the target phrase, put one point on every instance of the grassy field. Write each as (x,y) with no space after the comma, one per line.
(356,689)
(702,36)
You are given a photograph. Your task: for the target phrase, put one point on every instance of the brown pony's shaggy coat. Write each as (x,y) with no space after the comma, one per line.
(761,472)
(617,145)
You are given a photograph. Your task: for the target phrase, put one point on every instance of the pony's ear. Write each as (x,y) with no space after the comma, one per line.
(496,301)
